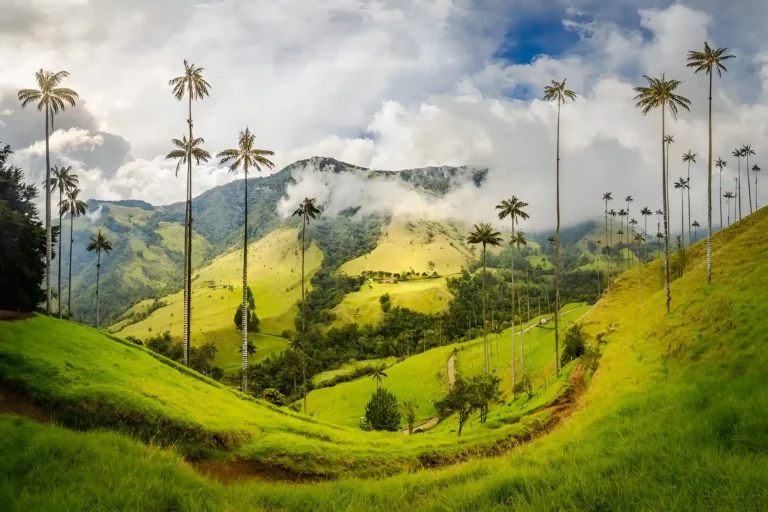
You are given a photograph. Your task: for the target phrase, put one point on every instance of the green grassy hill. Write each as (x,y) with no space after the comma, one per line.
(274,275)
(674,418)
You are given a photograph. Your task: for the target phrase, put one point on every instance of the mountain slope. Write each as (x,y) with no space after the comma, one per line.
(675,418)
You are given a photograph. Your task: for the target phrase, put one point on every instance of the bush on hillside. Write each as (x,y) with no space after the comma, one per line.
(574,344)
(273,396)
(382,412)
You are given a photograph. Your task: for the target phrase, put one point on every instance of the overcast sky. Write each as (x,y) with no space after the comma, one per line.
(389,84)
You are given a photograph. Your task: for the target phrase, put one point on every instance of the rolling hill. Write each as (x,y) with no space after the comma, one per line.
(674,417)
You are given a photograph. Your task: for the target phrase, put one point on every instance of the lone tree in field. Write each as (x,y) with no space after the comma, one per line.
(755,169)
(75,207)
(307,211)
(185,152)
(64,180)
(689,158)
(710,60)
(460,400)
(720,164)
(382,411)
(409,411)
(52,99)
(660,93)
(247,156)
(192,85)
(557,92)
(484,234)
(99,243)
(512,208)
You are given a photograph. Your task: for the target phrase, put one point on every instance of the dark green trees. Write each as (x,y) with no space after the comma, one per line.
(382,412)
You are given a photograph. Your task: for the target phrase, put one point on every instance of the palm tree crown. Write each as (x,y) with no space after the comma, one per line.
(49,94)
(607,196)
(518,240)
(191,82)
(660,92)
(708,60)
(689,157)
(72,205)
(246,155)
(307,209)
(100,243)
(484,233)
(557,92)
(63,179)
(188,150)
(512,208)
(681,183)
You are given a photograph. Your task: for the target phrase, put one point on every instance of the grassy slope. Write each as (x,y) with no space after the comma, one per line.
(676,417)
(274,273)
(423,377)
(348,368)
(405,246)
(422,295)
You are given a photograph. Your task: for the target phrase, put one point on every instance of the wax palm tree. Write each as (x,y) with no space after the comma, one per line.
(696,227)
(185,152)
(622,214)
(64,180)
(756,170)
(682,184)
(660,93)
(192,85)
(247,156)
(607,196)
(738,153)
(747,151)
(613,214)
(598,243)
(689,158)
(307,211)
(628,200)
(720,164)
(519,241)
(52,99)
(639,240)
(75,207)
(728,196)
(620,232)
(512,208)
(710,61)
(645,212)
(484,234)
(378,375)
(556,91)
(99,243)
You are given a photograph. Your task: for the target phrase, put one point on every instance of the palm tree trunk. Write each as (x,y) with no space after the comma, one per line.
(557,248)
(48,237)
(749,189)
(756,208)
(689,205)
(738,191)
(188,243)
(514,359)
(640,279)
(606,236)
(98,271)
(522,338)
(69,281)
(485,324)
(58,256)
(709,229)
(244,329)
(665,171)
(682,227)
(303,306)
(645,247)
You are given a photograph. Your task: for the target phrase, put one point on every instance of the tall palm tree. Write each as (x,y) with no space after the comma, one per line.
(247,156)
(756,170)
(747,151)
(738,153)
(192,85)
(710,60)
(484,234)
(682,184)
(689,158)
(512,208)
(620,232)
(99,243)
(622,214)
(185,152)
(598,243)
(660,93)
(53,99)
(669,140)
(75,207)
(696,227)
(520,241)
(307,211)
(719,164)
(629,200)
(639,240)
(659,213)
(728,196)
(632,223)
(64,180)
(607,196)
(556,91)
(645,212)
(613,214)
(378,375)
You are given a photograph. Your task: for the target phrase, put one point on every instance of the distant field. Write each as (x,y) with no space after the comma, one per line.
(409,246)
(348,368)
(274,275)
(422,295)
